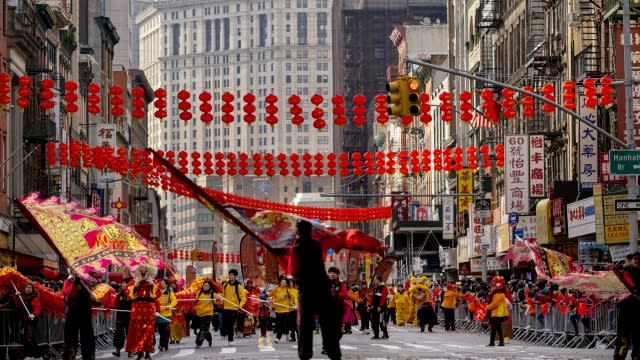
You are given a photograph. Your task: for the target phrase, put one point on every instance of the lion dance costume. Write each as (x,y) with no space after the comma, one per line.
(418,294)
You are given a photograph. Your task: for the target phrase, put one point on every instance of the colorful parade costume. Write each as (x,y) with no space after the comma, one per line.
(418,294)
(403,307)
(144,294)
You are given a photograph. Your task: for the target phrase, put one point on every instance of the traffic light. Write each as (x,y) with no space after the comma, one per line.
(396,92)
(412,106)
(195,253)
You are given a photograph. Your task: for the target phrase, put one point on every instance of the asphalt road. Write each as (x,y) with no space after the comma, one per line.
(404,343)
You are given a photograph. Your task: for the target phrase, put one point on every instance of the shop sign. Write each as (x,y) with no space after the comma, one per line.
(581,218)
(517,173)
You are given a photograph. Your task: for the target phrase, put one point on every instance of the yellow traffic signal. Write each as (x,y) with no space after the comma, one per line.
(195,253)
(412,105)
(396,92)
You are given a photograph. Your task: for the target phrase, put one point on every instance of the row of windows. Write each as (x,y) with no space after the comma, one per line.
(261,5)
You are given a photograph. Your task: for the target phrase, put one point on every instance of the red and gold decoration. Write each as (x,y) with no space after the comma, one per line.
(249,108)
(5,90)
(24,92)
(606,91)
(465,106)
(295,110)
(118,205)
(227,108)
(93,99)
(548,91)
(359,110)
(160,103)
(317,113)
(338,110)
(381,109)
(489,105)
(508,104)
(71,97)
(528,103)
(184,105)
(117,101)
(205,107)
(137,103)
(569,95)
(446,107)
(271,109)
(46,94)
(590,93)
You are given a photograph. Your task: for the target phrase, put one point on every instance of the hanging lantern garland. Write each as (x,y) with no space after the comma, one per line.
(271,109)
(508,104)
(425,108)
(249,108)
(489,105)
(359,109)
(295,110)
(318,113)
(465,106)
(46,94)
(381,109)
(5,90)
(338,110)
(71,97)
(137,103)
(205,107)
(227,108)
(589,91)
(527,102)
(606,91)
(569,94)
(445,106)
(24,91)
(116,101)
(548,91)
(93,99)
(184,105)
(160,103)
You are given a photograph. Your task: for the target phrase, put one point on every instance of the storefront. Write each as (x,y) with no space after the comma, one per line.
(581,227)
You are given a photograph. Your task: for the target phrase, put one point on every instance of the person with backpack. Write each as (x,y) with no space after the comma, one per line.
(167,302)
(233,295)
(204,313)
(377,307)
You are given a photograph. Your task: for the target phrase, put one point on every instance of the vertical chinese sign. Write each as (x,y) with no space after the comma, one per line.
(517,173)
(106,135)
(536,162)
(587,147)
(635,67)
(447,218)
(475,233)
(465,186)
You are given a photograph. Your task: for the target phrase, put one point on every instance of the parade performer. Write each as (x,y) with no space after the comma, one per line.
(426,316)
(352,302)
(29,313)
(283,300)
(418,294)
(377,308)
(449,305)
(252,307)
(78,302)
(362,308)
(499,312)
(204,313)
(314,292)
(403,306)
(144,294)
(177,328)
(122,318)
(335,305)
(234,299)
(167,302)
(628,328)
(292,319)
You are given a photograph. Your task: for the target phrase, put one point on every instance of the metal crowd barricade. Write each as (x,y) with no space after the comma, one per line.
(104,325)
(594,330)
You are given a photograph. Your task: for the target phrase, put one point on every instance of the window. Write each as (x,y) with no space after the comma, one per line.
(322,28)
(306,186)
(302,27)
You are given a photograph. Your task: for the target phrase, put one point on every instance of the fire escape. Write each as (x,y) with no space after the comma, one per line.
(488,20)
(589,59)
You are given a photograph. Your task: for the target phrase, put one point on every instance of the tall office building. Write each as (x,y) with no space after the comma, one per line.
(282,47)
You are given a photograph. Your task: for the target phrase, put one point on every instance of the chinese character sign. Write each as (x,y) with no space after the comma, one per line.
(447,218)
(635,69)
(475,231)
(517,173)
(401,202)
(587,145)
(536,163)
(465,186)
(106,134)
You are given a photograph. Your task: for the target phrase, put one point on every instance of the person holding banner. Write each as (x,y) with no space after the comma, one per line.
(78,302)
(30,311)
(143,293)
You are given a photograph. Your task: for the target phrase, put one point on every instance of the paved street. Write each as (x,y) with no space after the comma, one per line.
(405,343)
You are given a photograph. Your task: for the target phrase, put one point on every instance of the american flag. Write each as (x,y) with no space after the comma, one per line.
(481,121)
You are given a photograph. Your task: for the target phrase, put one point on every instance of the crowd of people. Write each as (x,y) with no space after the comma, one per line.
(314,300)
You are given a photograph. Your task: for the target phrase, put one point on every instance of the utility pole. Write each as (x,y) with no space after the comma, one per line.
(632,181)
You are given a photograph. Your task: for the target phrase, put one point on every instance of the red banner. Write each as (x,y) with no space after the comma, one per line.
(618,41)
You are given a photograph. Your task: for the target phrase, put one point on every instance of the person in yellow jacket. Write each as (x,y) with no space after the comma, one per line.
(418,294)
(234,298)
(167,303)
(283,300)
(403,306)
(499,308)
(449,305)
(177,327)
(204,312)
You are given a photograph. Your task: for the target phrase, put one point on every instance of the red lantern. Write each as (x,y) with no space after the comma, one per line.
(548,91)
(472,158)
(527,103)
(71,97)
(606,91)
(391,163)
(269,164)
(589,91)
(381,109)
(465,106)
(318,113)
(338,110)
(243,164)
(227,108)
(282,164)
(359,110)
(445,106)
(46,94)
(499,149)
(425,108)
(257,164)
(569,95)
(5,90)
(116,101)
(271,109)
(343,164)
(295,110)
(489,105)
(137,103)
(508,104)
(249,108)
(51,153)
(160,103)
(184,105)
(24,91)
(205,107)
(295,165)
(93,99)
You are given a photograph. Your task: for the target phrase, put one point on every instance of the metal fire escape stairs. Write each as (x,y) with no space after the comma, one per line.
(590,38)
(488,20)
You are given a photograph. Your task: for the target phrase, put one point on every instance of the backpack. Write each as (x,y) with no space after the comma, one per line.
(224,289)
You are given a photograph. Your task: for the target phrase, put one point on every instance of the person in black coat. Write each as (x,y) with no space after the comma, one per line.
(628,322)
(426,316)
(122,318)
(313,295)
